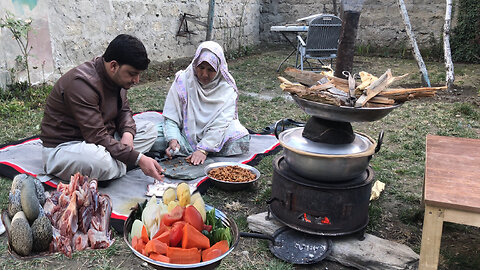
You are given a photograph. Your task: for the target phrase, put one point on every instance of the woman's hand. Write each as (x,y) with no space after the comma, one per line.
(198,157)
(173,145)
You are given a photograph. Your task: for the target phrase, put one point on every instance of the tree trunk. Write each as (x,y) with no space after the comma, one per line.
(211,12)
(450,76)
(413,42)
(346,46)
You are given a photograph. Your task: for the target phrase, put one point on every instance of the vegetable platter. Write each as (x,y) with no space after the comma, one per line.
(180,232)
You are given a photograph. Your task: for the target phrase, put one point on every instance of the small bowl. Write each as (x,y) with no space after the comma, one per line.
(211,264)
(232,186)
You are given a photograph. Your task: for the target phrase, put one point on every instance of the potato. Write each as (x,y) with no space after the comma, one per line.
(183,194)
(169,195)
(172,205)
(200,206)
(194,197)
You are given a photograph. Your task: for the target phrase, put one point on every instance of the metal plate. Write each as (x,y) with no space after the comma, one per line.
(343,113)
(299,248)
(232,186)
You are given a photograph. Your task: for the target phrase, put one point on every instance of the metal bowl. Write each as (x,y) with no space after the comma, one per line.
(343,113)
(232,186)
(211,264)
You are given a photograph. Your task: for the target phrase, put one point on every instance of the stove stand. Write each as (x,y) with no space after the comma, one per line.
(320,208)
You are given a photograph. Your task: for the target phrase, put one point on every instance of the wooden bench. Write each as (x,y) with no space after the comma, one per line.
(451,191)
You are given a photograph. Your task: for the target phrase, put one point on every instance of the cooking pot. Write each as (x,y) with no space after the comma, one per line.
(327,162)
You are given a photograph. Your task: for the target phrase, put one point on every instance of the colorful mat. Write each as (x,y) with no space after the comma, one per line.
(25,157)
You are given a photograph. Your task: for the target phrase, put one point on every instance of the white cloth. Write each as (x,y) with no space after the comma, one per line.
(94,160)
(206,115)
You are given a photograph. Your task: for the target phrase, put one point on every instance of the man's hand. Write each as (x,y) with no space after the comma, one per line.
(197,158)
(172,146)
(151,167)
(127,138)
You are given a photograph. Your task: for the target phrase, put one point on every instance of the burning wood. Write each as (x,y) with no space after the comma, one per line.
(371,92)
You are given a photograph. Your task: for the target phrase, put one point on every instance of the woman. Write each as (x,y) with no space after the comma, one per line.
(200,111)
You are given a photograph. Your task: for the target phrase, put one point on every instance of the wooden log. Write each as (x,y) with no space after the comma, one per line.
(382,100)
(308,78)
(413,42)
(450,77)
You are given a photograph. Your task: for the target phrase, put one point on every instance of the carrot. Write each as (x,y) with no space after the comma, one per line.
(140,247)
(192,238)
(159,257)
(184,256)
(222,246)
(144,235)
(135,242)
(155,246)
(210,254)
(164,237)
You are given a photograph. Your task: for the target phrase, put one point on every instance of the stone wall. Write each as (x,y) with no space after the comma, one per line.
(79,30)
(381,23)
(68,33)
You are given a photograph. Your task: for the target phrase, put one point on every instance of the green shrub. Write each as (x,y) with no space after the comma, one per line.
(465,41)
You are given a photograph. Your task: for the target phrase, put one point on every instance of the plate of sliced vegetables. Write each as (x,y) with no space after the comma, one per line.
(180,232)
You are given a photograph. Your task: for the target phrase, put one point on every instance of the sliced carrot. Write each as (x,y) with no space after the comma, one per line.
(140,247)
(155,246)
(222,246)
(192,238)
(184,256)
(159,257)
(144,235)
(164,237)
(210,254)
(135,242)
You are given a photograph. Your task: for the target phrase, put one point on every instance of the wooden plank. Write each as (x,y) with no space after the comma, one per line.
(431,238)
(452,173)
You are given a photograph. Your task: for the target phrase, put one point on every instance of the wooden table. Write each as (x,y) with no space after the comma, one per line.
(451,190)
(293,29)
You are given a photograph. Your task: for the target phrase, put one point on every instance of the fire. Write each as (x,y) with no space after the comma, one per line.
(325,220)
(305,218)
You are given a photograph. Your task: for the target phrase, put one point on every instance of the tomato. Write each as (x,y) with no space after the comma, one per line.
(176,233)
(193,217)
(174,216)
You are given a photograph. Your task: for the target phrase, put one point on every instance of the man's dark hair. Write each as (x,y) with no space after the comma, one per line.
(126,49)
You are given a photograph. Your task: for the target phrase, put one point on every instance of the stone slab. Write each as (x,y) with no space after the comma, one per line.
(372,253)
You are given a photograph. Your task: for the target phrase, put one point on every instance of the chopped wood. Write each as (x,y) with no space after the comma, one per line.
(378,86)
(376,105)
(367,79)
(382,100)
(308,78)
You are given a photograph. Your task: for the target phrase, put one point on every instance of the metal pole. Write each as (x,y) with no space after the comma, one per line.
(211,11)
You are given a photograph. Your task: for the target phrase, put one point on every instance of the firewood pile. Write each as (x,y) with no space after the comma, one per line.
(371,92)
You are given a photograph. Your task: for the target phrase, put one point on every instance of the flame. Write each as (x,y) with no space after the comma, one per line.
(325,220)
(305,218)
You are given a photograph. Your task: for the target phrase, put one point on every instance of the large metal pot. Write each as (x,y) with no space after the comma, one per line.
(327,162)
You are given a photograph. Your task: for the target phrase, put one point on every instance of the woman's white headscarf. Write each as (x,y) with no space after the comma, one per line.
(206,114)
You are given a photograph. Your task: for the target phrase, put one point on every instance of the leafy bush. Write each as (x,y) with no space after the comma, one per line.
(466,37)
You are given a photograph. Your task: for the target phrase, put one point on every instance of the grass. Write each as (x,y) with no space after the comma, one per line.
(397,215)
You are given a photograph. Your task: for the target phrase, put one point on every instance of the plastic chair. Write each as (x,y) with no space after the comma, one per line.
(322,41)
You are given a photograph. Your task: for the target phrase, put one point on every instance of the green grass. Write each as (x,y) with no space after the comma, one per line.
(396,215)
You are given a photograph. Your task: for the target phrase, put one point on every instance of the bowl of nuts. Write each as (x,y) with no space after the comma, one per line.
(232,176)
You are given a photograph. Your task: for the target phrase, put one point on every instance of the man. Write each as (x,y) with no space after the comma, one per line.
(88,126)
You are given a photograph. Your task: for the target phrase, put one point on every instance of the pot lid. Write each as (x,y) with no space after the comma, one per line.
(293,140)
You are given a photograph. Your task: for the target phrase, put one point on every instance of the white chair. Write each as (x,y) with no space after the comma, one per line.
(322,41)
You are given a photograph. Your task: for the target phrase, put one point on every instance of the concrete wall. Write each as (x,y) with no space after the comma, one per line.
(68,33)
